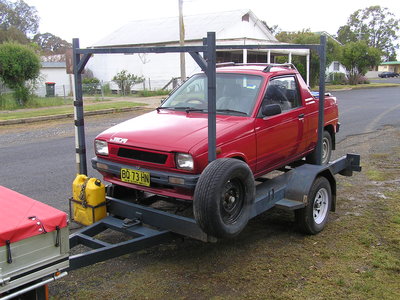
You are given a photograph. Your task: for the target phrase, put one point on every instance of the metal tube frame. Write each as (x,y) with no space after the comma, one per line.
(163,225)
(207,63)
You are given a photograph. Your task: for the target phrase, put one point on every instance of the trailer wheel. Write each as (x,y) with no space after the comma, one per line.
(326,150)
(312,218)
(223,197)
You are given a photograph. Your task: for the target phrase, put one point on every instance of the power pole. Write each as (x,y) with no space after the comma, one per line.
(182,41)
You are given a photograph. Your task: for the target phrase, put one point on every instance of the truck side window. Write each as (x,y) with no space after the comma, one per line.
(282,91)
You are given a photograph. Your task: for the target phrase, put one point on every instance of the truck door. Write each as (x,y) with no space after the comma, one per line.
(280,137)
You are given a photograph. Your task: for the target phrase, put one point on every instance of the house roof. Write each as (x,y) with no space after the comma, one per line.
(166,30)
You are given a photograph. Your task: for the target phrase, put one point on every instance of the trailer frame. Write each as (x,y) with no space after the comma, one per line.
(147,226)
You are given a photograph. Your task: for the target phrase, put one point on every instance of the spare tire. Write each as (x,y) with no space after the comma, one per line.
(223,197)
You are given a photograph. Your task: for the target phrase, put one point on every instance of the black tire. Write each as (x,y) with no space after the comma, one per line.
(326,150)
(312,218)
(223,197)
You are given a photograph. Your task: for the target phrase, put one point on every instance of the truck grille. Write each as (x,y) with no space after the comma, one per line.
(152,157)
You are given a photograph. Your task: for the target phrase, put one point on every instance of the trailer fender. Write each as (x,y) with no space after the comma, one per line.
(301,179)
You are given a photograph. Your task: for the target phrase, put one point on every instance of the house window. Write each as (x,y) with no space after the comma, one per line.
(336,66)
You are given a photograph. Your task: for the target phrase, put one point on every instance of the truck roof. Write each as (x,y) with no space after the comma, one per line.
(266,68)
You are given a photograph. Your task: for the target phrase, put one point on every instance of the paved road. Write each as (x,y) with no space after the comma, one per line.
(366,110)
(38,160)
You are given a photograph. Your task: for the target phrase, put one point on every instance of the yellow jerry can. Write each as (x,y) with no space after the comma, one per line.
(89,200)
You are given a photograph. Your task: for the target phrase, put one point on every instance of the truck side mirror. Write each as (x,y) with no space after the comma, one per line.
(271,110)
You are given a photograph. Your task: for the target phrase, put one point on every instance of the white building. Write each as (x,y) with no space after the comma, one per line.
(239,27)
(54,73)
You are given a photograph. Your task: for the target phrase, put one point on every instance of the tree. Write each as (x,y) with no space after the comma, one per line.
(18,64)
(376,26)
(19,15)
(51,44)
(12,34)
(308,37)
(125,80)
(358,57)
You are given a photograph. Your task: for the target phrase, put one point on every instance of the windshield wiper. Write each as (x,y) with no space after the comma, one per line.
(186,108)
(232,111)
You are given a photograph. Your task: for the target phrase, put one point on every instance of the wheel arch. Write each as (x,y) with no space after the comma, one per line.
(330,128)
(300,180)
(331,178)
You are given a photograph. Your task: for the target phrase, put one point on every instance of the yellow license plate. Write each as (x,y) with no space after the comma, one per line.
(136,177)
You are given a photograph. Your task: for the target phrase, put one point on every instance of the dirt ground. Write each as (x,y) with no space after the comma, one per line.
(357,256)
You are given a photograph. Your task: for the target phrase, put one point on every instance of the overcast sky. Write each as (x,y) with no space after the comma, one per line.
(91,20)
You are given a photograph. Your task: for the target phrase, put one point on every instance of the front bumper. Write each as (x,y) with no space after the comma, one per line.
(160,180)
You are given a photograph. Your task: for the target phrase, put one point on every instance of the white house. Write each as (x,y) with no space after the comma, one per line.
(238,27)
(54,73)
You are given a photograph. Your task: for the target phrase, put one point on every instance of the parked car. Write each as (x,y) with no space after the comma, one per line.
(266,119)
(388,74)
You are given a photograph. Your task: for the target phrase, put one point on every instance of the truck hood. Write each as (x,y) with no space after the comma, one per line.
(169,130)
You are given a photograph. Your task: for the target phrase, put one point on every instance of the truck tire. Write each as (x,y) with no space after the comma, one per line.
(223,197)
(326,150)
(312,218)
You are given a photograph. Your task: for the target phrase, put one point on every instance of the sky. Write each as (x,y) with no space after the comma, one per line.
(91,20)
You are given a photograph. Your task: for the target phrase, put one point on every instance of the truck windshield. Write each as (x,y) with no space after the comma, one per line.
(236,94)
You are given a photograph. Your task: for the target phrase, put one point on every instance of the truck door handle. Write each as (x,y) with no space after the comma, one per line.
(301,116)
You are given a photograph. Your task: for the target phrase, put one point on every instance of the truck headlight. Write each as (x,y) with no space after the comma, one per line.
(101,147)
(184,161)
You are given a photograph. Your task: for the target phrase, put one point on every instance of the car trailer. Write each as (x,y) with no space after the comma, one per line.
(302,187)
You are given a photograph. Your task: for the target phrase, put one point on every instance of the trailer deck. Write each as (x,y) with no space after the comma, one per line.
(148,226)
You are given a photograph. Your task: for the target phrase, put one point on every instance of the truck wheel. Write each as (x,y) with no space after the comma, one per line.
(326,150)
(312,218)
(223,197)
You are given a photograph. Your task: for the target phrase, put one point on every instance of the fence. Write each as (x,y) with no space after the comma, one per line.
(101,89)
(110,88)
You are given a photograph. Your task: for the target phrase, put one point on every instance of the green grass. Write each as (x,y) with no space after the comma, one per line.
(7,102)
(375,175)
(329,87)
(65,110)
(147,93)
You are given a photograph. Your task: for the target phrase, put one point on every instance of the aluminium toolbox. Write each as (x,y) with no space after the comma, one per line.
(34,242)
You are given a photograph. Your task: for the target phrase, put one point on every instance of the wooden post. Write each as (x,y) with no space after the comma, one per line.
(182,41)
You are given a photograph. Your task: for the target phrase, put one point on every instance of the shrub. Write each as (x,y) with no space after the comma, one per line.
(125,80)
(90,85)
(18,64)
(337,78)
(106,89)
(363,80)
(147,93)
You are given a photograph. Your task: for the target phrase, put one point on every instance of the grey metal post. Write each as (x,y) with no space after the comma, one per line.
(322,67)
(211,75)
(80,146)
(205,44)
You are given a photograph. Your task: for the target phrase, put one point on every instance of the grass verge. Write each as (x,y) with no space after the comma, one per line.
(329,87)
(8,102)
(65,110)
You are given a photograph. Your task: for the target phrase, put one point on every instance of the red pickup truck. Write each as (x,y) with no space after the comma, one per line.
(266,117)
